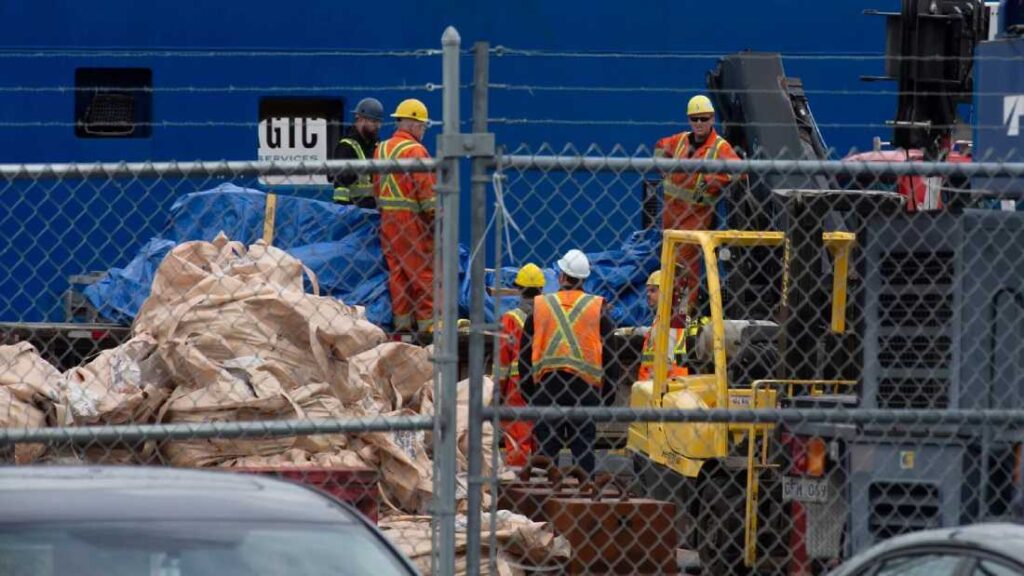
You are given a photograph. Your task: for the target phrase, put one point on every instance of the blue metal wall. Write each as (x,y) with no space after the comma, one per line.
(57,229)
(999,107)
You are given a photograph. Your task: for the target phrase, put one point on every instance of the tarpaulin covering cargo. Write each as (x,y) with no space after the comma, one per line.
(338,243)
(618,276)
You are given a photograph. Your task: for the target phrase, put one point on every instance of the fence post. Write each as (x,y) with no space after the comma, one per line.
(447,354)
(478,219)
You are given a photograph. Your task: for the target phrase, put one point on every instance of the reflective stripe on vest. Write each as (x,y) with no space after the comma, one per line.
(363,186)
(693,327)
(678,347)
(511,370)
(568,341)
(677,359)
(391,196)
(678,340)
(696,194)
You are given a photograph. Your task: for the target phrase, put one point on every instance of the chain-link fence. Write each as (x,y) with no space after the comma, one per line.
(761,358)
(248,336)
(807,373)
(766,359)
(212,316)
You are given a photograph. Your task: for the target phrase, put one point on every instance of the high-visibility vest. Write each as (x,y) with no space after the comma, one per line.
(676,356)
(511,369)
(694,193)
(362,187)
(392,196)
(567,335)
(677,351)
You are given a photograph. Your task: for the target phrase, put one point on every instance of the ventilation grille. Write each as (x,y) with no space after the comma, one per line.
(902,507)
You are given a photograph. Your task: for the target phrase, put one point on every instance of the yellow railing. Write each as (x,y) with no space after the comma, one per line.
(750,518)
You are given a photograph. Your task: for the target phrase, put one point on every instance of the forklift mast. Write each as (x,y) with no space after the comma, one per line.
(766,115)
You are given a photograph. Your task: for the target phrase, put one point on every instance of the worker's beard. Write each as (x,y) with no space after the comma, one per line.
(369,134)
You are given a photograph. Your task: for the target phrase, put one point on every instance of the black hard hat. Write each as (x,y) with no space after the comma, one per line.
(370,108)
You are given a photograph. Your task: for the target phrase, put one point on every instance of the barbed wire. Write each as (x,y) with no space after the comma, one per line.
(164,124)
(210,53)
(682,121)
(432,86)
(502,51)
(427,87)
(706,90)
(435,86)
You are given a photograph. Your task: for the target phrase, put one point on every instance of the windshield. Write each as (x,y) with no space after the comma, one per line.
(194,549)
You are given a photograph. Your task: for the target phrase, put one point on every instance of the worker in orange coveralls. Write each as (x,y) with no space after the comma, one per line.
(690,197)
(518,434)
(406,202)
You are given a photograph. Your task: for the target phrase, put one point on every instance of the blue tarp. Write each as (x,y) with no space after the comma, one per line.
(340,245)
(617,275)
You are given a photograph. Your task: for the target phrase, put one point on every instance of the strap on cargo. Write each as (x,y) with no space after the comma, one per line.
(268,219)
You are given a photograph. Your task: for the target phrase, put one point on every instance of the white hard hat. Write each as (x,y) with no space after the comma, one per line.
(575,264)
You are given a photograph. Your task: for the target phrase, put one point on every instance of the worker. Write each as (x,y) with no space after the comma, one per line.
(406,203)
(519,434)
(690,197)
(359,144)
(677,341)
(564,360)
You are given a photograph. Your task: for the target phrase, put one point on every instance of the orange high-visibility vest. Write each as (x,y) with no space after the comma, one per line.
(677,350)
(677,353)
(395,191)
(508,357)
(693,188)
(567,335)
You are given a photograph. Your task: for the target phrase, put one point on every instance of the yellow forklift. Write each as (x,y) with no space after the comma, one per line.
(717,472)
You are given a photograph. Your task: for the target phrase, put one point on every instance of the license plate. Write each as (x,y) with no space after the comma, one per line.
(805,489)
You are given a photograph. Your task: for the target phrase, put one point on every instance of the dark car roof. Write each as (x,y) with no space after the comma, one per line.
(82,493)
(1004,539)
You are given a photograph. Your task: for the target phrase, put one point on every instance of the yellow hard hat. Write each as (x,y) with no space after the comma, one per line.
(412,109)
(530,276)
(654,279)
(699,104)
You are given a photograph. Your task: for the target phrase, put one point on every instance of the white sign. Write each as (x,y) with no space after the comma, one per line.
(285,139)
(805,489)
(1013,109)
(739,401)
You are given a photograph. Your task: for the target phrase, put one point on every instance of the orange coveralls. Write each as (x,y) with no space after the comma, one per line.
(407,202)
(518,435)
(690,198)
